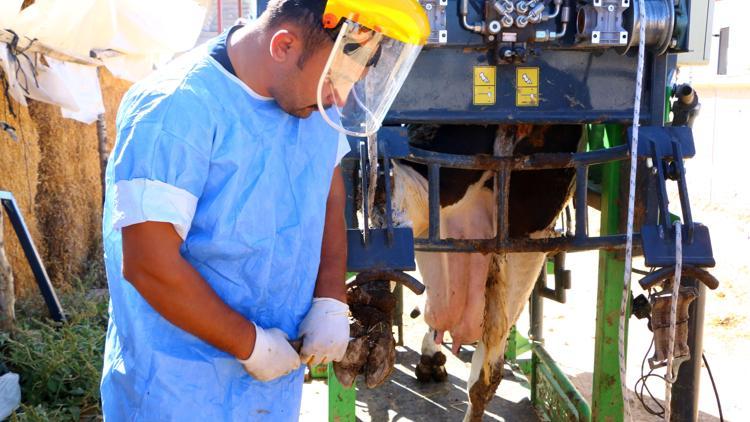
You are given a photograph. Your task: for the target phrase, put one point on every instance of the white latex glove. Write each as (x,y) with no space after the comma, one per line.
(325,332)
(272,356)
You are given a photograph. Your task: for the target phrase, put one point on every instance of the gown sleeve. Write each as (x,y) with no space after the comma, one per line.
(161,160)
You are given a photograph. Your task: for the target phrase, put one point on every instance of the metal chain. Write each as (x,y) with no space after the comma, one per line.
(631,209)
(670,377)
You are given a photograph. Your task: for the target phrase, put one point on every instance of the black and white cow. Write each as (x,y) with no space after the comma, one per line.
(476,297)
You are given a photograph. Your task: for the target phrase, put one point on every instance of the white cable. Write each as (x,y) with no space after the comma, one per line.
(670,378)
(372,159)
(631,207)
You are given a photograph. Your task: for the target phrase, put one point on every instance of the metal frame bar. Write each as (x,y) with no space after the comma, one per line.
(503,166)
(32,256)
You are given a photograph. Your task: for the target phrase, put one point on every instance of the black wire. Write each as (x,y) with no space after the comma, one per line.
(641,272)
(642,381)
(713,384)
(17,52)
(644,378)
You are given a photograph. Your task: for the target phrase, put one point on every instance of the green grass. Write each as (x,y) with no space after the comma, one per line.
(59,364)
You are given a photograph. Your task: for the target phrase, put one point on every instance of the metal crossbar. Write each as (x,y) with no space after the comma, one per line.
(503,167)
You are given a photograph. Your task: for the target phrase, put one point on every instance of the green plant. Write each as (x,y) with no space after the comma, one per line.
(59,364)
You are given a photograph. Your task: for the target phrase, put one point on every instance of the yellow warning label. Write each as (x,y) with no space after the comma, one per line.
(485,83)
(527,87)
(484,95)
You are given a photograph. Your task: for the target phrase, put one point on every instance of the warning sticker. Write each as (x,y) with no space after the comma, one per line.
(485,83)
(527,87)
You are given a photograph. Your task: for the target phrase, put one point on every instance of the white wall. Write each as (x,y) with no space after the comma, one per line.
(722,131)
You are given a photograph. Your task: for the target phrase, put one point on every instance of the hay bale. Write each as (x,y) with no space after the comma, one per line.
(18,174)
(54,172)
(69,194)
(69,200)
(113,90)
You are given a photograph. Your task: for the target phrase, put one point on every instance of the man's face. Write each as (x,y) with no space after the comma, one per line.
(297,92)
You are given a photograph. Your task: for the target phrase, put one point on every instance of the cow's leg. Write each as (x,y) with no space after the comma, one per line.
(431,364)
(510,281)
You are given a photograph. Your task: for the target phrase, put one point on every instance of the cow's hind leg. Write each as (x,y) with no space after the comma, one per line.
(487,362)
(431,366)
(510,281)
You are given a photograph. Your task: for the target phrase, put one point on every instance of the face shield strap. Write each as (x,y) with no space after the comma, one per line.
(351,49)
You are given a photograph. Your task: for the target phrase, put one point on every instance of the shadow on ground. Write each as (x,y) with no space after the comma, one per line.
(583,382)
(402,397)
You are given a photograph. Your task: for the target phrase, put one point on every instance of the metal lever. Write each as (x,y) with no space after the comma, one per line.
(390,275)
(659,276)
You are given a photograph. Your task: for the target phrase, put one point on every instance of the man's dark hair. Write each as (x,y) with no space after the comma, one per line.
(307,15)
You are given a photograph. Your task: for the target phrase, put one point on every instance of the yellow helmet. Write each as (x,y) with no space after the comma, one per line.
(377,45)
(403,20)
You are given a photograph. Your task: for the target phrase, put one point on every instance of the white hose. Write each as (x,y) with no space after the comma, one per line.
(631,209)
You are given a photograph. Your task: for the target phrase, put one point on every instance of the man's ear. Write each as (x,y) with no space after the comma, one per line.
(283,45)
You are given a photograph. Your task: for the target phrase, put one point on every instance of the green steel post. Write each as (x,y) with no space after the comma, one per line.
(341,400)
(607,401)
(511,352)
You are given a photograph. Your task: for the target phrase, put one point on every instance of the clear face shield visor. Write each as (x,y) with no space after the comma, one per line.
(363,75)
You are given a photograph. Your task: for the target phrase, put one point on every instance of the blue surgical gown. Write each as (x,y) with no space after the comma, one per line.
(245,185)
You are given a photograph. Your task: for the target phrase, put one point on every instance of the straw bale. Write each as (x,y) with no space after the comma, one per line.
(54,172)
(18,174)
(69,200)
(69,195)
(113,90)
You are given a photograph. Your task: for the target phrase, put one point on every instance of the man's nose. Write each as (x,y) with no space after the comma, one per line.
(334,96)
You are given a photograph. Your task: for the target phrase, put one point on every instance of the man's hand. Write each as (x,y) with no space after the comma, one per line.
(325,332)
(272,357)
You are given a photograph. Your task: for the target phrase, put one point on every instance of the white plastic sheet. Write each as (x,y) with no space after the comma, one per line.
(10,394)
(75,88)
(71,26)
(8,11)
(8,65)
(82,82)
(146,33)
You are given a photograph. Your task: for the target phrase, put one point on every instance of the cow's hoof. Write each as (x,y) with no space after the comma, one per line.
(431,368)
(438,359)
(381,299)
(439,374)
(423,373)
(382,355)
(354,360)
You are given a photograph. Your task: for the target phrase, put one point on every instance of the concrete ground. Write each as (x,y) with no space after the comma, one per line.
(403,398)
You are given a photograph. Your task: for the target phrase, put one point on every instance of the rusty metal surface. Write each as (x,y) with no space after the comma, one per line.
(665,273)
(553,244)
(542,161)
(389,275)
